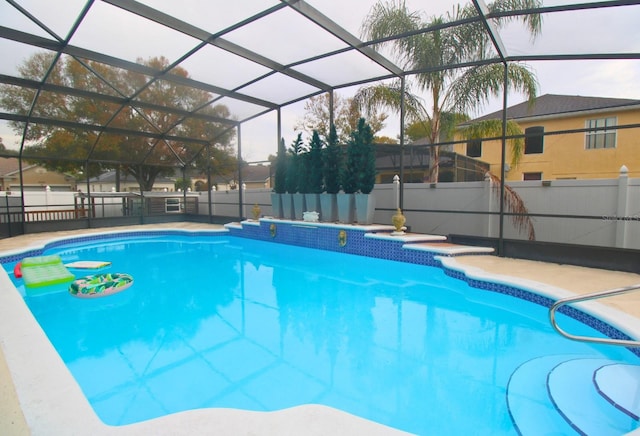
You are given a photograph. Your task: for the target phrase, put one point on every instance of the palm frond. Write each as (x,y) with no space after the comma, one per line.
(532,21)
(388,96)
(477,85)
(493,129)
(515,205)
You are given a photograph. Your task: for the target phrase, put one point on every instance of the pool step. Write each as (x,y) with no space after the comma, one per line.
(574,393)
(558,395)
(432,243)
(528,399)
(620,385)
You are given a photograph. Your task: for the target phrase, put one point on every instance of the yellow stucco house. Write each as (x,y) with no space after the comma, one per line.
(577,153)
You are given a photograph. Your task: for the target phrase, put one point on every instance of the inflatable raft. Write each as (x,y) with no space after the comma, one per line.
(41,273)
(100,285)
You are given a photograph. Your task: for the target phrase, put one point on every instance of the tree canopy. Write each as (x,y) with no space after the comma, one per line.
(346,116)
(146,140)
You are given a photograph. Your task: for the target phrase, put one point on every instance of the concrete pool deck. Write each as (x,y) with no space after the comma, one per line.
(14,416)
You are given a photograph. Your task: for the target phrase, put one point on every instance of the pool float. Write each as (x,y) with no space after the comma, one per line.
(17,270)
(40,273)
(100,285)
(88,264)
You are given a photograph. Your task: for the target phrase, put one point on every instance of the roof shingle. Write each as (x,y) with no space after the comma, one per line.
(553,104)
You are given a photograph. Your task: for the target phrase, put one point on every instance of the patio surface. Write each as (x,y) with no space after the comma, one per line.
(577,280)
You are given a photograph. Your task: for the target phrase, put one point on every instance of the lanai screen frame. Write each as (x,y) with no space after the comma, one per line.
(61,46)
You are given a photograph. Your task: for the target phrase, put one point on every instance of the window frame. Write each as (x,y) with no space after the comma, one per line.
(524,176)
(474,144)
(608,137)
(534,140)
(172,205)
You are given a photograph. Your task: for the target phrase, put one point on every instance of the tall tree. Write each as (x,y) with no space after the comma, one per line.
(69,149)
(447,90)
(346,115)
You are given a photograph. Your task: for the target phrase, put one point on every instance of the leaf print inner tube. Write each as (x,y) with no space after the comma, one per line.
(100,285)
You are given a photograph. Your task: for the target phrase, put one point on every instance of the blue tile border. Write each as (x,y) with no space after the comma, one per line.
(327,237)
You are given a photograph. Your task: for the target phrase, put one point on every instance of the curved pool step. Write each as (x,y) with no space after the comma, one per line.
(620,384)
(530,407)
(574,394)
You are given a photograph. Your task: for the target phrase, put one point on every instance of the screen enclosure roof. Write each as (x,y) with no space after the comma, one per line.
(259,57)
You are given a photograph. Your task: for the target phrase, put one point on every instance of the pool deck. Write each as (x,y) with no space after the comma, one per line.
(313,419)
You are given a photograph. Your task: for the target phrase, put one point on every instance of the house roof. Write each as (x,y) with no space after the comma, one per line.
(256,173)
(553,104)
(9,166)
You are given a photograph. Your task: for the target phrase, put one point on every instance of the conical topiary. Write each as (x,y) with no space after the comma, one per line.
(314,168)
(281,169)
(332,167)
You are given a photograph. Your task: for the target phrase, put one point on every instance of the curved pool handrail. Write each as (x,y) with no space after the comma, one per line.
(586,297)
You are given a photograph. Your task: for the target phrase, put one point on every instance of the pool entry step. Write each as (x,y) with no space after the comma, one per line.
(568,394)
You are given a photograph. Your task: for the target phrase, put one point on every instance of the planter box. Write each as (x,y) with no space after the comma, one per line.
(287,206)
(312,203)
(276,205)
(298,205)
(346,208)
(365,208)
(329,208)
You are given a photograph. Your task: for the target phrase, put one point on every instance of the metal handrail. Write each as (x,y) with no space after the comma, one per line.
(587,297)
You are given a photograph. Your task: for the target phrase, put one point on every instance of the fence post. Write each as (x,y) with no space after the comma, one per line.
(490,218)
(396,190)
(243,199)
(622,220)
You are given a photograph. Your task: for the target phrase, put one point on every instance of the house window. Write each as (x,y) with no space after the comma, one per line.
(474,148)
(601,138)
(172,205)
(533,140)
(532,176)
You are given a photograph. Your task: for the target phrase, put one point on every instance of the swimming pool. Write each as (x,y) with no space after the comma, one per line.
(280,326)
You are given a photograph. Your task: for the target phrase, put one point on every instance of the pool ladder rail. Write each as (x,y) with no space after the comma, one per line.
(587,297)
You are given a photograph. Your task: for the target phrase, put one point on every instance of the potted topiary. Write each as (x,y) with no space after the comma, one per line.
(313,173)
(332,164)
(280,186)
(364,200)
(296,182)
(349,181)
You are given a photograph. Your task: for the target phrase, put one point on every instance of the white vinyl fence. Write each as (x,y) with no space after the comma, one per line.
(601,212)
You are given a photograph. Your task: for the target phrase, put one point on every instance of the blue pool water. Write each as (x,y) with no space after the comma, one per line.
(235,323)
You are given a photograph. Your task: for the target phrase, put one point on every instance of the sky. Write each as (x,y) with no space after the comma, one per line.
(285,37)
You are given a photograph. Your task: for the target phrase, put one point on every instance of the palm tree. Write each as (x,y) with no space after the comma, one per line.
(449,90)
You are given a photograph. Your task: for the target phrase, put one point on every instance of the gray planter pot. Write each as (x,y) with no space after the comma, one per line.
(365,208)
(346,208)
(276,205)
(329,208)
(312,202)
(287,206)
(298,205)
